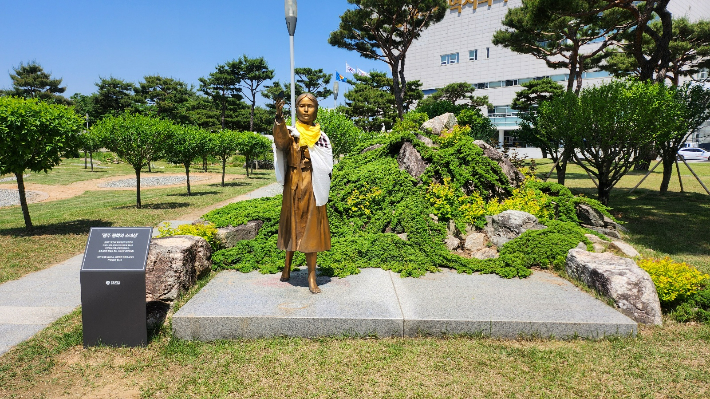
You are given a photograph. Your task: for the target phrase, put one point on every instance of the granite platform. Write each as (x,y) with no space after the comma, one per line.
(382,304)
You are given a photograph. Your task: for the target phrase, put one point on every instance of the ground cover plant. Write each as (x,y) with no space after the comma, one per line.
(374,203)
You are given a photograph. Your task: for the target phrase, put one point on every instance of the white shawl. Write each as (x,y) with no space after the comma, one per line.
(321,160)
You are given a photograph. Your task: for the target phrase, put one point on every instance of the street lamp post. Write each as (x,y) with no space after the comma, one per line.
(336,87)
(291,17)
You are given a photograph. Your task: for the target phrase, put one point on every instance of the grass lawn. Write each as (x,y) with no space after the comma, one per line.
(62,227)
(669,361)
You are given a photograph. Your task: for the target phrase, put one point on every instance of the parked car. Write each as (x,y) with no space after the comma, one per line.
(694,153)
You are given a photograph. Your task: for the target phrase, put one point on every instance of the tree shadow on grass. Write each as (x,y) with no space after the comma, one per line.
(673,223)
(162,205)
(194,194)
(229,184)
(80,226)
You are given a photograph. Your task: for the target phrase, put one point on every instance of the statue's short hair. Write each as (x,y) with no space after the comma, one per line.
(308,96)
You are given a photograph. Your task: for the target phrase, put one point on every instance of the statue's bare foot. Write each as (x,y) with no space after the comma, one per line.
(314,289)
(285,275)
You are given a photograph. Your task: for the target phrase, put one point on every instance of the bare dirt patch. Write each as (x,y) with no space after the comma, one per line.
(60,192)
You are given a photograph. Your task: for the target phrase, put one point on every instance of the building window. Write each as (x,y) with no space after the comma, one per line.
(473,55)
(488,52)
(497,83)
(512,82)
(452,58)
(481,85)
(703,74)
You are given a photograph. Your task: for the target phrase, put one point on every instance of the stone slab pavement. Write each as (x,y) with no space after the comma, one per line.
(33,302)
(381,303)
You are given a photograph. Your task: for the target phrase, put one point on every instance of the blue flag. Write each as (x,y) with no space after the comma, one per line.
(339,77)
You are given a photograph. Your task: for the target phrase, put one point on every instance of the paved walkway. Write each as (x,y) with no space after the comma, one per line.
(31,303)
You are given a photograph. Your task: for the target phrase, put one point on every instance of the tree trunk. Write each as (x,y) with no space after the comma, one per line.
(544,152)
(187,174)
(23,200)
(204,163)
(138,188)
(246,166)
(397,89)
(645,157)
(224,168)
(85,166)
(561,171)
(251,120)
(668,162)
(603,194)
(91,156)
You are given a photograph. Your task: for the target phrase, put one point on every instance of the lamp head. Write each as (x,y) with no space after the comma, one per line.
(291,16)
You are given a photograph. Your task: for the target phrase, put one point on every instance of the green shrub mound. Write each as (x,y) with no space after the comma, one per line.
(373,204)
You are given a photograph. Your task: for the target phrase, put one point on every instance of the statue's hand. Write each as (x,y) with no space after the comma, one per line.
(293,131)
(279,108)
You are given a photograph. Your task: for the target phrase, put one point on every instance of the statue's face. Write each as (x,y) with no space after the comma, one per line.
(307,111)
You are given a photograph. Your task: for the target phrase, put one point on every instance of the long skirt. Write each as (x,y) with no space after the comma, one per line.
(303,226)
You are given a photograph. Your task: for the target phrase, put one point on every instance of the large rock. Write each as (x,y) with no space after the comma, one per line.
(624,248)
(475,242)
(514,176)
(486,253)
(230,235)
(410,160)
(426,140)
(440,123)
(452,242)
(620,279)
(589,216)
(603,230)
(174,265)
(509,225)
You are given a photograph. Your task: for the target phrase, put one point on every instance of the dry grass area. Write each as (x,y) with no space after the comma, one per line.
(672,361)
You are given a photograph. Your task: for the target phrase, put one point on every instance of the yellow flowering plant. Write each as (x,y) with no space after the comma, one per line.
(675,281)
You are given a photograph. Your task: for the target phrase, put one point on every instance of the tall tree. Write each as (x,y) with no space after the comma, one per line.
(460,91)
(222,87)
(652,64)
(384,30)
(114,96)
(314,81)
(33,136)
(31,81)
(371,104)
(689,50)
(575,43)
(166,97)
(254,72)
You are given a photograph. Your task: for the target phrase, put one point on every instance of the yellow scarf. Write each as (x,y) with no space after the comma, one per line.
(309,134)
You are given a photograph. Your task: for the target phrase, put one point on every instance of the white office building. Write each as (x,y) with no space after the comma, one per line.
(460,49)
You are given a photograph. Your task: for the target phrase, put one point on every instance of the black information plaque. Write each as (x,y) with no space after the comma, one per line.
(113,286)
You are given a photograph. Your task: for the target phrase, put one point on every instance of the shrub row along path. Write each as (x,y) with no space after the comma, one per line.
(42,192)
(31,303)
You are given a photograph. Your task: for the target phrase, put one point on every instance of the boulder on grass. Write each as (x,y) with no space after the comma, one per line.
(440,123)
(514,176)
(509,225)
(230,235)
(620,279)
(174,265)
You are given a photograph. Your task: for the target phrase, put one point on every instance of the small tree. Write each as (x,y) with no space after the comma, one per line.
(34,135)
(607,124)
(680,112)
(223,145)
(341,130)
(89,141)
(134,138)
(252,145)
(182,146)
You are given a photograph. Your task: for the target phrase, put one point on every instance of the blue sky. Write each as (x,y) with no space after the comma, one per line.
(80,40)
